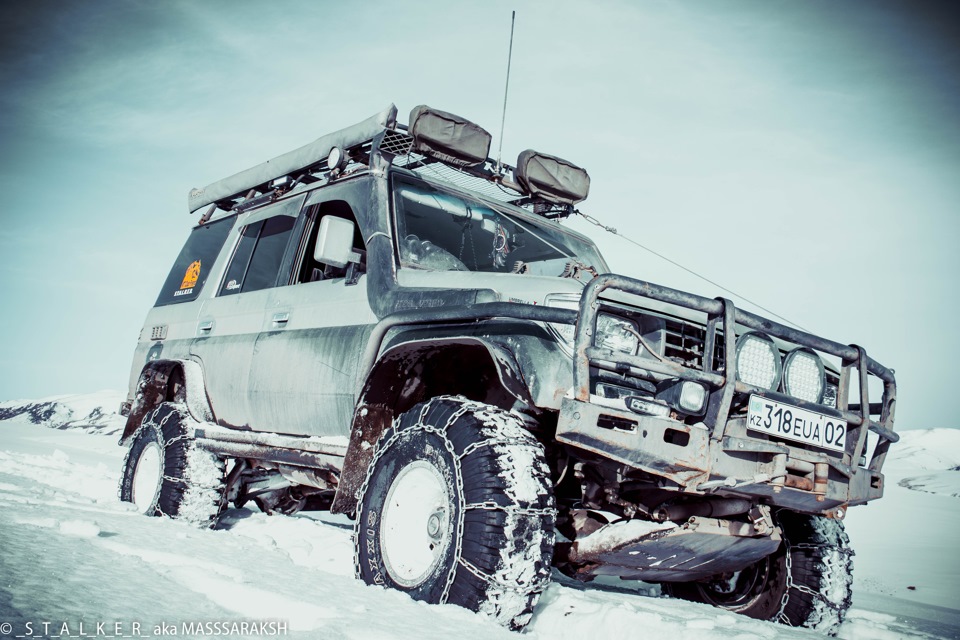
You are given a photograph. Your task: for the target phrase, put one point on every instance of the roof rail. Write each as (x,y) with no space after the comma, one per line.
(292,162)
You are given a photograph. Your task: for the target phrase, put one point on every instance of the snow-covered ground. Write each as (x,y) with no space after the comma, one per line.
(72,554)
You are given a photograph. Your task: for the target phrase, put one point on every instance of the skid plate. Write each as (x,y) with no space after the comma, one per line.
(666,552)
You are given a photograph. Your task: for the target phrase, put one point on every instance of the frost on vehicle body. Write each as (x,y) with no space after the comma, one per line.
(388,324)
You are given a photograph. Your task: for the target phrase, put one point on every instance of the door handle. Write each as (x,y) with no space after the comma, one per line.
(205,326)
(281,318)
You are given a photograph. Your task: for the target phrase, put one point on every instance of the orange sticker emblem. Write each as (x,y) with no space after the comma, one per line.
(191,276)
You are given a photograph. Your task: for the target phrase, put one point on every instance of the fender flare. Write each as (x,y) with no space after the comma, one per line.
(380,403)
(153,387)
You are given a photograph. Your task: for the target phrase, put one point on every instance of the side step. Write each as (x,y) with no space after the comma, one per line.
(311,452)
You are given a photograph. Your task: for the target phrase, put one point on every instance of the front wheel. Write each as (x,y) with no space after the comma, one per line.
(806,583)
(458,508)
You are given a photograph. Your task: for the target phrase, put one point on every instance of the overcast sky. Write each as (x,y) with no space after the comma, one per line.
(803,154)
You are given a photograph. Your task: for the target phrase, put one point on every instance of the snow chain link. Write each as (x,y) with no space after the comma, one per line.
(488,505)
(781,615)
(525,590)
(488,443)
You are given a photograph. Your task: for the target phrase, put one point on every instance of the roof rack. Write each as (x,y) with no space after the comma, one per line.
(381,135)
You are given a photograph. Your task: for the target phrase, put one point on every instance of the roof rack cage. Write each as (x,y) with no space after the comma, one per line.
(379,134)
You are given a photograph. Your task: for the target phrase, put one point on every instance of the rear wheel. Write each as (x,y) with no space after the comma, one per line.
(164,473)
(806,583)
(458,508)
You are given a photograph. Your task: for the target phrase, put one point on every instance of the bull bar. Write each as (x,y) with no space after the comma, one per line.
(722,315)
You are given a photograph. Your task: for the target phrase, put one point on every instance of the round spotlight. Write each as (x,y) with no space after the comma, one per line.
(337,159)
(803,375)
(758,361)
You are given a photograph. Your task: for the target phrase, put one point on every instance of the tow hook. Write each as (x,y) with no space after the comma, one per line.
(761,519)
(837,514)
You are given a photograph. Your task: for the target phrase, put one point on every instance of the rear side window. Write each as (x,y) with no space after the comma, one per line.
(190,270)
(259,254)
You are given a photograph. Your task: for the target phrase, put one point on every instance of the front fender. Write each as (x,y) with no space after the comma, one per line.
(400,379)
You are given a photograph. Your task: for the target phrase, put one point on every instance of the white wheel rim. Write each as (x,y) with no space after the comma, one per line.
(415,529)
(147,477)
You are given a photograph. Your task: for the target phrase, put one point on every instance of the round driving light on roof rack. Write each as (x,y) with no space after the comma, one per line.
(336,159)
(803,375)
(758,361)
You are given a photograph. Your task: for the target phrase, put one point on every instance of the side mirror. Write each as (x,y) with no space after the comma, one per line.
(335,243)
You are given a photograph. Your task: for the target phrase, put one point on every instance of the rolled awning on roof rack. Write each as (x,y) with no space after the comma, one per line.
(293,161)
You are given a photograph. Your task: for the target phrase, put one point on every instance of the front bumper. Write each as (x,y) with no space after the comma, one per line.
(718,453)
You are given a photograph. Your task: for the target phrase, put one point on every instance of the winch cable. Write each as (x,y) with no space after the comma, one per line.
(613,230)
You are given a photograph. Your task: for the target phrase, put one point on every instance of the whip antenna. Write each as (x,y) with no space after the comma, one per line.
(503,119)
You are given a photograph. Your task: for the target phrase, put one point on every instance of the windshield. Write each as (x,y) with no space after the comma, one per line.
(440,231)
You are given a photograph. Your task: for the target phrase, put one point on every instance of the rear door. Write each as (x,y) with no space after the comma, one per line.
(229,322)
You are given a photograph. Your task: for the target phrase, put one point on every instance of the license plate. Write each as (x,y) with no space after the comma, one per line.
(793,423)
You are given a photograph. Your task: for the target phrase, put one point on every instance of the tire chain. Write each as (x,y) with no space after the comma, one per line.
(382,449)
(802,588)
(489,443)
(466,407)
(163,447)
(493,582)
(490,505)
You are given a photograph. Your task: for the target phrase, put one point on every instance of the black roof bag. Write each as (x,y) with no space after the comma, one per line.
(448,137)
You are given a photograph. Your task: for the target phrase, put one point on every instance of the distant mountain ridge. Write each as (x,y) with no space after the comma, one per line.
(93,413)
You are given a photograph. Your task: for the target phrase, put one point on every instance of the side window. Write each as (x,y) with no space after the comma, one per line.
(310,270)
(256,261)
(190,270)
(268,254)
(241,258)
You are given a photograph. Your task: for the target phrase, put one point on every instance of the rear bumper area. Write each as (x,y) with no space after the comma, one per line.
(689,459)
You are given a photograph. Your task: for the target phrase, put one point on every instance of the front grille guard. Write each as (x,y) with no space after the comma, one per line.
(722,313)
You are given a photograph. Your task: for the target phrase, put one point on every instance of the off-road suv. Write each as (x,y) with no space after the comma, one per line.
(388,324)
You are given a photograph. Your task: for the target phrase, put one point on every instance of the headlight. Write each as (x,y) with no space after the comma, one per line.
(758,361)
(566,332)
(616,334)
(803,375)
(685,395)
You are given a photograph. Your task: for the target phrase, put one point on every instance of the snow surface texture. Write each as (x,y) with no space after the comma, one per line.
(70,553)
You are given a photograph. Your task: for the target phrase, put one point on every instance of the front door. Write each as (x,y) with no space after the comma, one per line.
(303,373)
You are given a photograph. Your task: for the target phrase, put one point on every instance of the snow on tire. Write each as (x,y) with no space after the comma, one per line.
(807,583)
(458,508)
(165,474)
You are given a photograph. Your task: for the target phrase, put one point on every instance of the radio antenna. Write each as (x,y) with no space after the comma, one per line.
(506,89)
